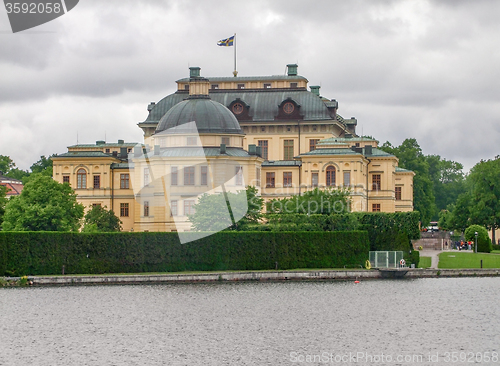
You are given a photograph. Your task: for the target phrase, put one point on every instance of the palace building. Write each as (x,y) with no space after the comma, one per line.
(272,132)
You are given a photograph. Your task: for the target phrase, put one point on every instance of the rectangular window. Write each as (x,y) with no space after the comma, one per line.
(124,181)
(124,209)
(270,180)
(191,140)
(267,86)
(241,86)
(173,176)
(347,179)
(146,176)
(188,207)
(96,205)
(287,179)
(397,191)
(314,180)
(204,175)
(376,207)
(312,144)
(376,182)
(257,177)
(174,208)
(264,145)
(66,179)
(225,141)
(239,175)
(107,151)
(288,149)
(189,175)
(97,181)
(186,87)
(214,86)
(146,208)
(293,85)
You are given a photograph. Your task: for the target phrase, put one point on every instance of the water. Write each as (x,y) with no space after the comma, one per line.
(286,323)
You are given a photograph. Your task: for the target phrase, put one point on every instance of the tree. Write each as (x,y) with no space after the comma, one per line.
(43,205)
(410,157)
(484,180)
(448,181)
(483,240)
(3,202)
(43,165)
(460,215)
(317,201)
(99,219)
(6,164)
(232,211)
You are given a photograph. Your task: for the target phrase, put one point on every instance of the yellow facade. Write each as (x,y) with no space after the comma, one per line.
(282,138)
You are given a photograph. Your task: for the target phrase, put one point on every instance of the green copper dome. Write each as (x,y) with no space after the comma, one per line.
(209,116)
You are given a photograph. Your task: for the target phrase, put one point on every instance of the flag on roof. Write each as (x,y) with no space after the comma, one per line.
(226,42)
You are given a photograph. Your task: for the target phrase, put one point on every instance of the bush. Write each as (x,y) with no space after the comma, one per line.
(483,240)
(45,253)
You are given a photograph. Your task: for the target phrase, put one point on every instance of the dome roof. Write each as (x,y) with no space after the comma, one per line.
(209,116)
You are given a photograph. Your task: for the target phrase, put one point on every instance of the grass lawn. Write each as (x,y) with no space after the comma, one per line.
(496,251)
(425,262)
(468,260)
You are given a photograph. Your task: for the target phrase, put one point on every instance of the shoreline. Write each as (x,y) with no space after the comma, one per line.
(263,276)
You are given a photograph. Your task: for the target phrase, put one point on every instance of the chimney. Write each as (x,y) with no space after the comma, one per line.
(198,86)
(100,142)
(252,150)
(368,149)
(258,150)
(222,148)
(292,69)
(151,106)
(157,150)
(121,142)
(123,152)
(315,89)
(194,72)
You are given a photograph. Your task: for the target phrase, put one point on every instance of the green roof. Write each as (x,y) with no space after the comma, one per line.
(84,154)
(402,170)
(106,144)
(345,140)
(378,153)
(174,152)
(331,151)
(240,79)
(281,163)
(344,151)
(121,166)
(263,103)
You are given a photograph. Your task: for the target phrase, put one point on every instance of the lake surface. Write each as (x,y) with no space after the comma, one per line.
(390,322)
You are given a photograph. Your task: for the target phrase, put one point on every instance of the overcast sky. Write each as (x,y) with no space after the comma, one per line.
(422,69)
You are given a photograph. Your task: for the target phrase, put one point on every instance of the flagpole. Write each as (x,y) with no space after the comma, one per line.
(235,73)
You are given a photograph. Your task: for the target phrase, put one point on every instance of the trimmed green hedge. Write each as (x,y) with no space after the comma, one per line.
(45,253)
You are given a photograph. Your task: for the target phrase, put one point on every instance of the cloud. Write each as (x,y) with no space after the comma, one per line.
(423,69)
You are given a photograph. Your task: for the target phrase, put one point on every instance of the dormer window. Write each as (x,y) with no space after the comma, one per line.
(288,108)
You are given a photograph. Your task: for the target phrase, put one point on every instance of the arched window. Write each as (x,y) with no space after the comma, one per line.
(81,179)
(330,176)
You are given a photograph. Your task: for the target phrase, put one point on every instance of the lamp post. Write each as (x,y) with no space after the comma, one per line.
(475,246)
